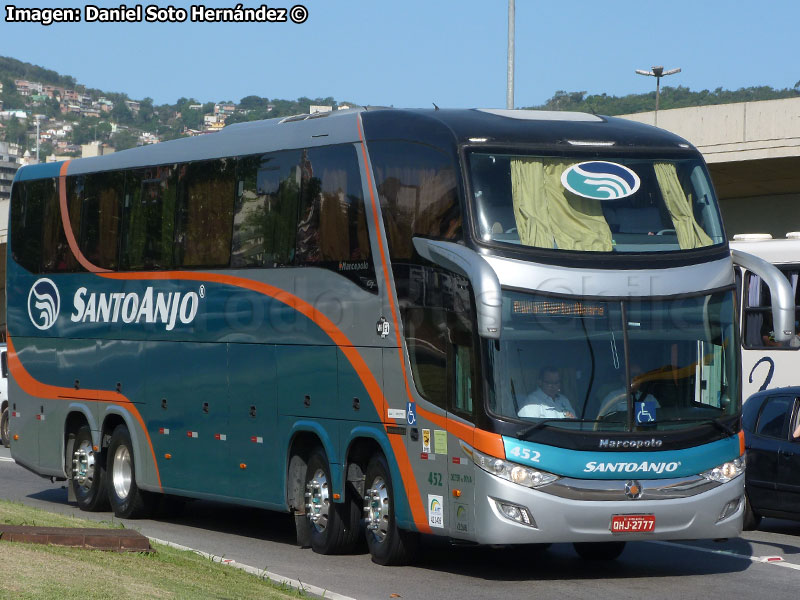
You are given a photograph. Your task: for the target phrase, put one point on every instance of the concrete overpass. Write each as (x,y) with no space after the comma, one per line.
(753,154)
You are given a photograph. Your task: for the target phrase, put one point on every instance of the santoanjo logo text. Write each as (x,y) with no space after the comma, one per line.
(150,307)
(631,467)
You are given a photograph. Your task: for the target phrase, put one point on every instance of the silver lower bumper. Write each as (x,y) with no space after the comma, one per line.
(561,519)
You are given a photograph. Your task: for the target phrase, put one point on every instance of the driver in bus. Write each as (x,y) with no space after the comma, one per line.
(547,402)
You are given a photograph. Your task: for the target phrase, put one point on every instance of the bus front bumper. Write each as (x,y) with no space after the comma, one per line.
(558,519)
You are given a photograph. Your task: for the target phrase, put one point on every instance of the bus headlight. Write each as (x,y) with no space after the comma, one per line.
(512,472)
(726,471)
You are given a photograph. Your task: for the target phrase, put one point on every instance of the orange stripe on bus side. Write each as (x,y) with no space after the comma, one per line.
(406,471)
(335,334)
(32,387)
(73,244)
(483,441)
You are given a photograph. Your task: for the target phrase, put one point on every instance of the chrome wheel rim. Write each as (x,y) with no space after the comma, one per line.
(376,507)
(83,465)
(318,500)
(122,472)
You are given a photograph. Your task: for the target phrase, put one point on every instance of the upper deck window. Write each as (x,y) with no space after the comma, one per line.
(609,205)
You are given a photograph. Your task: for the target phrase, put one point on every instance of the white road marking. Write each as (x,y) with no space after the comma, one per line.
(6,459)
(263,574)
(772,560)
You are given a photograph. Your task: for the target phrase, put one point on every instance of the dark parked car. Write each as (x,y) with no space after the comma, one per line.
(771,421)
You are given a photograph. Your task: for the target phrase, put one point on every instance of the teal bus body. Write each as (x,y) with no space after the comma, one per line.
(297,315)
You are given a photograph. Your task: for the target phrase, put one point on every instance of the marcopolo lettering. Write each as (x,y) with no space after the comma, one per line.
(616,444)
(150,307)
(631,467)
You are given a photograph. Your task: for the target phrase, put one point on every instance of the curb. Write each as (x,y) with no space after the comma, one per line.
(306,588)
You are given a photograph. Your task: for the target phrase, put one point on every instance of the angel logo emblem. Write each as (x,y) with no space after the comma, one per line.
(44,303)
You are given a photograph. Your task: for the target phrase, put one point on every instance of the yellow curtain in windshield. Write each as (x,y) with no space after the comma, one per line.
(548,216)
(690,234)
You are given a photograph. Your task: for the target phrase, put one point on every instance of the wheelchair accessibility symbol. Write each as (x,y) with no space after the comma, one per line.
(645,412)
(411,415)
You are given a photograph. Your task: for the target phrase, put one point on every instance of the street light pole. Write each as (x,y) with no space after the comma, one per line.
(658,73)
(510,76)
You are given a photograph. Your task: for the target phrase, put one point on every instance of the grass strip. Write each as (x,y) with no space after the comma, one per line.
(38,571)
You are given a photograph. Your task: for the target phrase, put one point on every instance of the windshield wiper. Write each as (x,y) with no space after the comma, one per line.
(721,426)
(523,433)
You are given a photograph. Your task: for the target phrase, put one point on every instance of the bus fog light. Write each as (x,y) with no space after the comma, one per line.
(726,471)
(516,513)
(730,509)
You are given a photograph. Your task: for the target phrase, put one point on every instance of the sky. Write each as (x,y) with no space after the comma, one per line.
(418,52)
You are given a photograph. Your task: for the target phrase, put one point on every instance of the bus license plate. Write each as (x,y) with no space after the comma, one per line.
(632,523)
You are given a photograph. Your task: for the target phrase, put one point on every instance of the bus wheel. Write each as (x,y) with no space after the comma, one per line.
(334,526)
(127,500)
(88,479)
(599,550)
(4,438)
(751,518)
(387,544)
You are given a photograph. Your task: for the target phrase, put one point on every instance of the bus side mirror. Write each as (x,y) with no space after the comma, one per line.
(485,284)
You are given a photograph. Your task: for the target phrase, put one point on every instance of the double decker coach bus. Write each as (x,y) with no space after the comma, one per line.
(503,327)
(767,362)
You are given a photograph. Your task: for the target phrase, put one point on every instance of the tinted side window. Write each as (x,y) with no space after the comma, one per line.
(24,229)
(418,193)
(29,202)
(266,210)
(774,419)
(205,213)
(58,257)
(438,333)
(332,230)
(758,323)
(333,225)
(148,228)
(95,206)
(426,338)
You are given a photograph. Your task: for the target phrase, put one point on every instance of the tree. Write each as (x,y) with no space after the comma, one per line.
(253,103)
(124,139)
(45,150)
(121,113)
(16,131)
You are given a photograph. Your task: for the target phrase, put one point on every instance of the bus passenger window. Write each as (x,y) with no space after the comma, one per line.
(426,338)
(28,202)
(205,213)
(266,210)
(58,256)
(333,225)
(464,368)
(758,326)
(418,194)
(95,203)
(148,230)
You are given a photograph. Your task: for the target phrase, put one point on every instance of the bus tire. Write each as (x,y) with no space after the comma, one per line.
(4,436)
(334,526)
(127,500)
(387,544)
(88,474)
(751,518)
(599,550)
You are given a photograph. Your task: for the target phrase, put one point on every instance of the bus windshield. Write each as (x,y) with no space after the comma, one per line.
(611,205)
(563,361)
